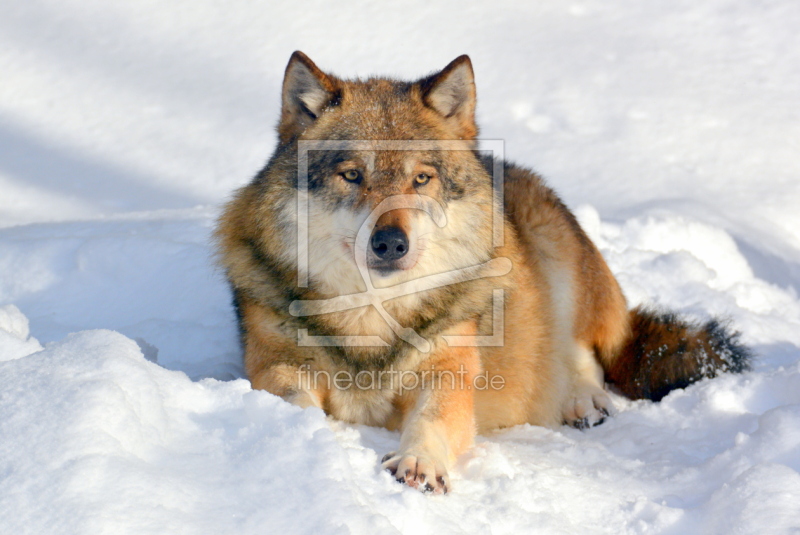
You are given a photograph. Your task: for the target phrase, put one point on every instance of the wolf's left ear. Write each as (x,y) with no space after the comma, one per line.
(451,92)
(306,92)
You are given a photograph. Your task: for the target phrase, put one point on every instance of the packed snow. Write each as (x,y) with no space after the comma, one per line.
(671,128)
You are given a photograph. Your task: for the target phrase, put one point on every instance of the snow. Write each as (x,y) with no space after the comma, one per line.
(672,129)
(15,339)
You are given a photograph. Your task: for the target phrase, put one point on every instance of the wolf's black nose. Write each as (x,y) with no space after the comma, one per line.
(389,243)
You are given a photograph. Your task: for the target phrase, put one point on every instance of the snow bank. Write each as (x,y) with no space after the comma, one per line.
(151,277)
(680,262)
(97,439)
(15,339)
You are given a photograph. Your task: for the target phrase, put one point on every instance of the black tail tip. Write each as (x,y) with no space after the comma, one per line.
(666,352)
(733,355)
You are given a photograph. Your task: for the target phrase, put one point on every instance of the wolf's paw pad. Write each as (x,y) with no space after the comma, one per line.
(418,472)
(589,406)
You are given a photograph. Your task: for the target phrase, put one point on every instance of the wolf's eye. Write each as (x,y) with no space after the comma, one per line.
(352,175)
(422,179)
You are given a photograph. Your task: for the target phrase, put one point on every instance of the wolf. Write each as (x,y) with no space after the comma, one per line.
(388,271)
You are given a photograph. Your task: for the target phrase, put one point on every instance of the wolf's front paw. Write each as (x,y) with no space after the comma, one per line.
(588,406)
(418,472)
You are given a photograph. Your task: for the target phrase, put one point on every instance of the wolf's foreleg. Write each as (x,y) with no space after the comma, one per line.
(440,423)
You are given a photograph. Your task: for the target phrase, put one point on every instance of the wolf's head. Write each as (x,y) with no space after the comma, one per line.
(391,173)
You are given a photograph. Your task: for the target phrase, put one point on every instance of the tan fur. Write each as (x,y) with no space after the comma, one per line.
(564,313)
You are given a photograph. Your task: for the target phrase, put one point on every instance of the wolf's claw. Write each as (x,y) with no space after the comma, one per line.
(419,473)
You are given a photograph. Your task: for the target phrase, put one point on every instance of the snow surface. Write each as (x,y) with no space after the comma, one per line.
(672,129)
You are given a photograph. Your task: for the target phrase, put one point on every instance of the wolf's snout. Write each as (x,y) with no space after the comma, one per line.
(389,243)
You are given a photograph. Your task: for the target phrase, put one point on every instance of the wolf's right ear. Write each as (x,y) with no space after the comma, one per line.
(306,92)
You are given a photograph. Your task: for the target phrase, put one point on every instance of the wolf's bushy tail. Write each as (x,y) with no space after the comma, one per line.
(665,352)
